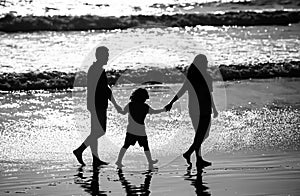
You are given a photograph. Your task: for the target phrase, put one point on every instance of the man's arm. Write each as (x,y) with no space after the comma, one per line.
(214,106)
(113,101)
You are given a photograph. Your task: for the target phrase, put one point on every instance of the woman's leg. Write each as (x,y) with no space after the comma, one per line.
(199,138)
(195,122)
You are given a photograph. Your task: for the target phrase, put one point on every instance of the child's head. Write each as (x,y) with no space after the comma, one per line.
(139,95)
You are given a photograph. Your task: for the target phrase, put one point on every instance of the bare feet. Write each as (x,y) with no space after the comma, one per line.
(154,161)
(119,165)
(201,163)
(97,162)
(78,156)
(187,158)
(151,165)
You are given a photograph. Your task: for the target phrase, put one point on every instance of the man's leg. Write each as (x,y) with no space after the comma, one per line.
(88,141)
(99,132)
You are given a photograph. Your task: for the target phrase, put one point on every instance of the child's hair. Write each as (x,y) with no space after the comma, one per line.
(139,95)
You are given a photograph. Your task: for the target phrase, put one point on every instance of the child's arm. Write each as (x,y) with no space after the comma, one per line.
(113,101)
(154,111)
(214,106)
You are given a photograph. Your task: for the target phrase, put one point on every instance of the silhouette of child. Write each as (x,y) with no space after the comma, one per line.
(137,109)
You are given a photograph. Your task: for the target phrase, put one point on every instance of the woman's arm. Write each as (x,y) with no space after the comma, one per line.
(178,95)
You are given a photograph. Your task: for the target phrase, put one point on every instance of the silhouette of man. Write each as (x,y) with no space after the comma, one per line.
(98,94)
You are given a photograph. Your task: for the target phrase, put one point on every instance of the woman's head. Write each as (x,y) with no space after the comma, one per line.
(139,95)
(201,62)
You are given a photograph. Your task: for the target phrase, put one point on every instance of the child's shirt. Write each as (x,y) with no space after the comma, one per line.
(136,117)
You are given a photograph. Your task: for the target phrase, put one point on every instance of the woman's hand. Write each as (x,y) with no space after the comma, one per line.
(168,106)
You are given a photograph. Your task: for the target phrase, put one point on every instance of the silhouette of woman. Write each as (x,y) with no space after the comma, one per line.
(98,94)
(199,87)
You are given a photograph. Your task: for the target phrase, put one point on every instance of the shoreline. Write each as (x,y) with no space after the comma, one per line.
(56,80)
(10,23)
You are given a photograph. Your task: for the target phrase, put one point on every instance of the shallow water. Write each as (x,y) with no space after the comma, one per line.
(151,47)
(103,8)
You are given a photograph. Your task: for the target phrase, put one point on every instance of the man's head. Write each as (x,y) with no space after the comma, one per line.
(102,54)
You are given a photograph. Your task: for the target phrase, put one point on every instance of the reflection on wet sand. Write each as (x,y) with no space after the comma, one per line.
(131,189)
(90,186)
(197,183)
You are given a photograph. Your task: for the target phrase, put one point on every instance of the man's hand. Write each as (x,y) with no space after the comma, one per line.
(216,114)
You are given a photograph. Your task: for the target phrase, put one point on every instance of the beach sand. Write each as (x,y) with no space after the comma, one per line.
(243,162)
(264,173)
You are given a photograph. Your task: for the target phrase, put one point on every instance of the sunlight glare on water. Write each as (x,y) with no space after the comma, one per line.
(23,52)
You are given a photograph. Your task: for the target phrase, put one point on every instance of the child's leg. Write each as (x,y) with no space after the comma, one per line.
(149,158)
(129,140)
(120,157)
(144,142)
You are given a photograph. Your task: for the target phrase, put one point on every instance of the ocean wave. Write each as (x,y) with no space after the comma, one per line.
(56,80)
(11,23)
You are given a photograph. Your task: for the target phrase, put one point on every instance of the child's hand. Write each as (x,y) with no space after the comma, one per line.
(119,109)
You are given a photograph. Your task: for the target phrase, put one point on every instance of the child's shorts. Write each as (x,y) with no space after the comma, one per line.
(132,139)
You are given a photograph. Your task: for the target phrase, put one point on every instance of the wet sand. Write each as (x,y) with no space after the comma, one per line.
(259,173)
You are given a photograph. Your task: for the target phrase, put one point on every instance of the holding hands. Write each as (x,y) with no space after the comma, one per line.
(118,108)
(216,114)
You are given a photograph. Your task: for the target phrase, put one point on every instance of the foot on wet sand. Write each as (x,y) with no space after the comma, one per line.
(205,163)
(154,161)
(202,163)
(98,162)
(119,165)
(187,158)
(78,156)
